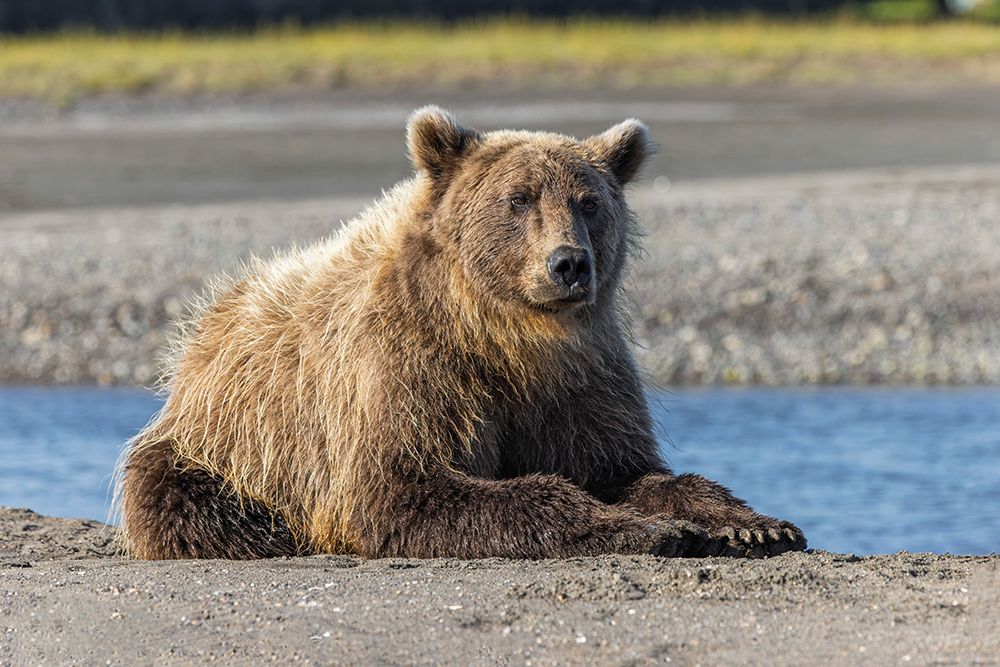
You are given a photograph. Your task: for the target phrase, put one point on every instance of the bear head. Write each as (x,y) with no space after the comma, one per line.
(533,219)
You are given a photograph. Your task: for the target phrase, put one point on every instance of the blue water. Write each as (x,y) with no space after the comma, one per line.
(860,470)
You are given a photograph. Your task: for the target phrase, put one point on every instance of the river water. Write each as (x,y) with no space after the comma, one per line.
(860,470)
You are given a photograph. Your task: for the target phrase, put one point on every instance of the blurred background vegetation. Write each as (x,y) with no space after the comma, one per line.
(61,50)
(32,15)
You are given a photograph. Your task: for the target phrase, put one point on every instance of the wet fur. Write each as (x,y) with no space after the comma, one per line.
(408,388)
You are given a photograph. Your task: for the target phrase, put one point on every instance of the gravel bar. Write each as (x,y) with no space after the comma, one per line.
(859,277)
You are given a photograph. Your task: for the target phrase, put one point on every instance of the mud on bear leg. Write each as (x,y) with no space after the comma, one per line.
(734,528)
(174,512)
(536,516)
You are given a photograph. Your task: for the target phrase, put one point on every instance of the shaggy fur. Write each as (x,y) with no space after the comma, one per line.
(420,385)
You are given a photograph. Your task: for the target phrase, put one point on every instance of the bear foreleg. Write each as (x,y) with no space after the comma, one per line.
(534,517)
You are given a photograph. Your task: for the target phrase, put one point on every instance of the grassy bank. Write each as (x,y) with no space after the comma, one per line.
(620,54)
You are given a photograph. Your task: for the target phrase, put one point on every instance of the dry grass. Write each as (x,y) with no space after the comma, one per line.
(621,54)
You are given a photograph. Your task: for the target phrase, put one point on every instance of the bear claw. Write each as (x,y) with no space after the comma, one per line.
(754,541)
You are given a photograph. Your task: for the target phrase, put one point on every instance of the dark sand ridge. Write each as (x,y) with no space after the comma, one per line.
(66,598)
(864,277)
(151,150)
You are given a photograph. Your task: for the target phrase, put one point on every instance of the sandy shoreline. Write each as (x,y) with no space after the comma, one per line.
(67,599)
(860,277)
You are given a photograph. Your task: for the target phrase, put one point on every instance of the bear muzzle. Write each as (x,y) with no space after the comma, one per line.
(571,270)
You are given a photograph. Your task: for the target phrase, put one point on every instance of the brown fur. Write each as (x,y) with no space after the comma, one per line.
(420,385)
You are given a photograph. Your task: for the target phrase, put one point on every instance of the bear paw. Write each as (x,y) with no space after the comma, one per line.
(757,539)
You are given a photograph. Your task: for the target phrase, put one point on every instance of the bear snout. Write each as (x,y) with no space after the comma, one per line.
(571,269)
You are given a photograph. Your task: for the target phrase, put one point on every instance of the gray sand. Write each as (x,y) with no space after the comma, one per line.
(860,277)
(64,598)
(151,149)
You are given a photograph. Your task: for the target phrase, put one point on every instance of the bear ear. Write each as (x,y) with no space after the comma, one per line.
(624,148)
(436,141)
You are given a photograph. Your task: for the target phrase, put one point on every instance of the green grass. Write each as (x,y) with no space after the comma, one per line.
(900,10)
(509,52)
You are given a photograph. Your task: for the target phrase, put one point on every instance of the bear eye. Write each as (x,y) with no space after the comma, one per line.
(589,205)
(519,201)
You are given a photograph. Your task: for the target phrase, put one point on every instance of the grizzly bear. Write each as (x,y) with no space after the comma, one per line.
(448,375)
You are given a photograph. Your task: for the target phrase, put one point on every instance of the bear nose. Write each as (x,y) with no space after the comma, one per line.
(569,267)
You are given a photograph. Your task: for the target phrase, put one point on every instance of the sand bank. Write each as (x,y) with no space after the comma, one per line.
(66,598)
